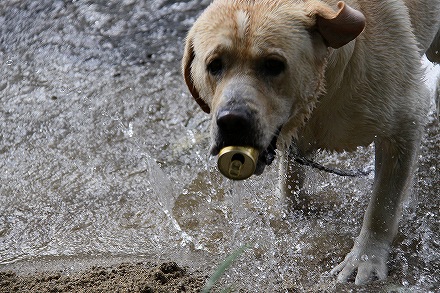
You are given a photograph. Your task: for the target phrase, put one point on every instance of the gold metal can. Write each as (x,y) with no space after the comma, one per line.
(237,162)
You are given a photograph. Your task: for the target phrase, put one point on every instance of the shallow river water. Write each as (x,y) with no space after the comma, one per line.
(104,157)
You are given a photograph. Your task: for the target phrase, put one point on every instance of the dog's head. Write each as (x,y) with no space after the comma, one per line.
(258,66)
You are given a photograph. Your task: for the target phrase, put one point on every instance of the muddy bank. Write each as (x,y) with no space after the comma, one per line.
(139,277)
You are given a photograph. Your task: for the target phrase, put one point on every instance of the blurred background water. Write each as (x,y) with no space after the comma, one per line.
(104,156)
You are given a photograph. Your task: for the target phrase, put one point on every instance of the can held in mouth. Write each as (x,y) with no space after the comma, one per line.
(237,162)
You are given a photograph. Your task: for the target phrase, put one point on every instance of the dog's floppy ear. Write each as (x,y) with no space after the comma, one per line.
(337,27)
(187,60)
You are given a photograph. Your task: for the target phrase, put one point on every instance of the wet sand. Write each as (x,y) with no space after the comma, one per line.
(125,277)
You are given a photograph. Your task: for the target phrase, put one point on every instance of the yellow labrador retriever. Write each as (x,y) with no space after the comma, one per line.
(320,75)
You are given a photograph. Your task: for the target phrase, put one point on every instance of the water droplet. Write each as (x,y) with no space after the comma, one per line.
(129,131)
(364,257)
(9,62)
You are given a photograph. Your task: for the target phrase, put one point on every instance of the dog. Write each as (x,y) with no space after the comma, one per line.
(310,75)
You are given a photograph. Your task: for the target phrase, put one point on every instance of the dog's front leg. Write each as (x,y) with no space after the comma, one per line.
(394,170)
(291,176)
(291,179)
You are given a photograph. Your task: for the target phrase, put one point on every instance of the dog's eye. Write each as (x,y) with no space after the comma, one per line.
(215,67)
(273,67)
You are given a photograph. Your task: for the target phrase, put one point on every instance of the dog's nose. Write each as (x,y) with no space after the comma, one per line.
(235,121)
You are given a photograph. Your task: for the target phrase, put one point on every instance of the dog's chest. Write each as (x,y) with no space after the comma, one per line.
(336,128)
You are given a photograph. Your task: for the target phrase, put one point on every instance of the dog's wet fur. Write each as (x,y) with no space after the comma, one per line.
(321,75)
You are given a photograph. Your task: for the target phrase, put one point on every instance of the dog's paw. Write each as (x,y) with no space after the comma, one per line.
(368,258)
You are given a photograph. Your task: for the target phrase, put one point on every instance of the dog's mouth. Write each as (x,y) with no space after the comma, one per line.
(266,155)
